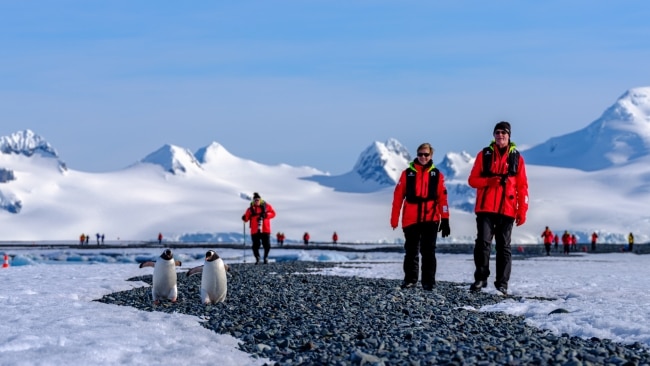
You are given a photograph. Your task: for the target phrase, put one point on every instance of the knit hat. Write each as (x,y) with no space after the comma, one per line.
(256,195)
(503,125)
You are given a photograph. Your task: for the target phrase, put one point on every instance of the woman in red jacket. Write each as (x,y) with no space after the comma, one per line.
(499,176)
(422,197)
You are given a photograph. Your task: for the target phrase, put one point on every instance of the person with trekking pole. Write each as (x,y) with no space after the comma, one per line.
(259,214)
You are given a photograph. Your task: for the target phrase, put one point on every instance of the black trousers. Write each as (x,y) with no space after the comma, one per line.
(265,240)
(547,247)
(499,227)
(420,239)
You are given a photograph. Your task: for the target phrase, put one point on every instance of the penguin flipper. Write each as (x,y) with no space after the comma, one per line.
(195,270)
(147,264)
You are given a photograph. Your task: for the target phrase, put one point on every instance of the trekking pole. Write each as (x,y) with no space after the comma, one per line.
(244,247)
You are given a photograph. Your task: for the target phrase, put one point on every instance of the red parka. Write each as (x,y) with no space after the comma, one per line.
(252,214)
(490,195)
(425,209)
(548,236)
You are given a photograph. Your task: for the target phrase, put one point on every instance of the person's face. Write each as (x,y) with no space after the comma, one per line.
(501,138)
(257,201)
(424,156)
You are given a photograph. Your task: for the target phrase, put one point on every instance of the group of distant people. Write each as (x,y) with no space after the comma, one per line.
(279,237)
(570,242)
(84,239)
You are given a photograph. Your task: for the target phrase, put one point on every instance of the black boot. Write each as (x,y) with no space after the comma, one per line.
(478,285)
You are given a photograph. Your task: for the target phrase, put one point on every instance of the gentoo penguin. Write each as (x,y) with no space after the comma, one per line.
(164,277)
(214,283)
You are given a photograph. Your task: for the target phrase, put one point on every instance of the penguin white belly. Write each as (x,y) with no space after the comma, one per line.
(214,284)
(164,280)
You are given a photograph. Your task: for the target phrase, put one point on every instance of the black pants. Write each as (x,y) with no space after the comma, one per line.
(548,248)
(499,227)
(263,239)
(420,238)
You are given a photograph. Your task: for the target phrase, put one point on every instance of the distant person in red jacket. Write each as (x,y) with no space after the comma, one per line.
(160,238)
(594,238)
(260,213)
(556,242)
(566,241)
(278,238)
(574,243)
(305,238)
(548,240)
(335,237)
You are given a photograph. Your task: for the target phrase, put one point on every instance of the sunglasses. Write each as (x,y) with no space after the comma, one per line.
(500,132)
(426,155)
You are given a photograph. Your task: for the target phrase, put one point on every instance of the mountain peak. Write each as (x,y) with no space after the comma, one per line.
(26,143)
(212,153)
(382,162)
(173,159)
(456,164)
(377,167)
(620,135)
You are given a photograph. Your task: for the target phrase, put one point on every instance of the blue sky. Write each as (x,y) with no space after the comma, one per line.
(310,82)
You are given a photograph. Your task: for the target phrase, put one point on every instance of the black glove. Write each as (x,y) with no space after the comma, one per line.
(243,217)
(444,227)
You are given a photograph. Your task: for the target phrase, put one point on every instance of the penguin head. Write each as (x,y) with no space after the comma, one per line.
(211,255)
(167,255)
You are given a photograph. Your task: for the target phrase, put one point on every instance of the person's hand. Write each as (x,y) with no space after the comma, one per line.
(444,228)
(520,219)
(243,217)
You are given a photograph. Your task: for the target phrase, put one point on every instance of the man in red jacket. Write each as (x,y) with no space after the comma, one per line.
(499,176)
(421,196)
(260,214)
(594,238)
(548,240)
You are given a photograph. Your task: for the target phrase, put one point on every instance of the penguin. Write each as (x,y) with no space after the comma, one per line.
(164,277)
(214,283)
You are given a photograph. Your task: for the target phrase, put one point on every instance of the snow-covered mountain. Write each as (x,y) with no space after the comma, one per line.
(619,136)
(203,195)
(379,166)
(173,159)
(27,143)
